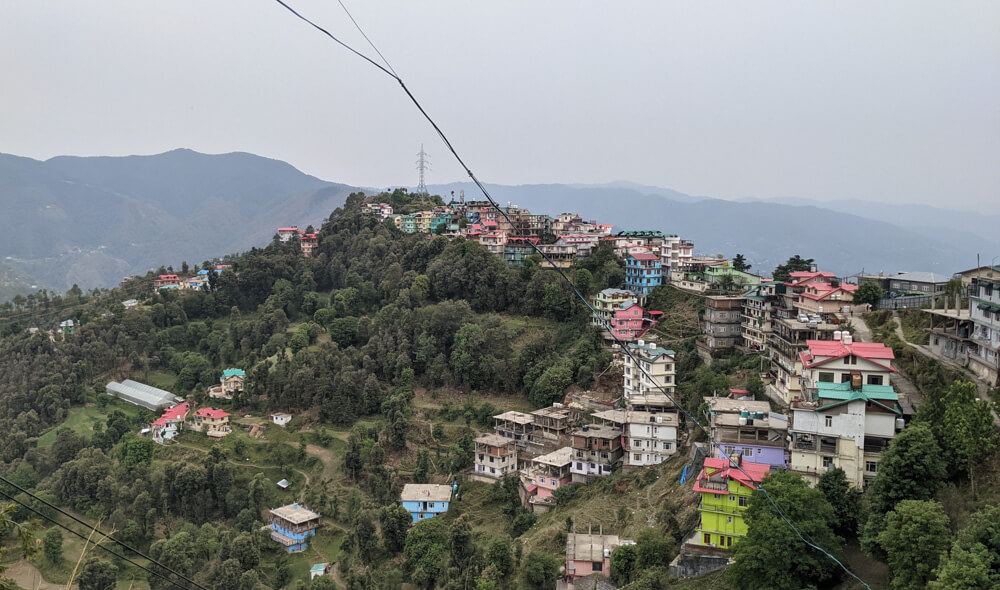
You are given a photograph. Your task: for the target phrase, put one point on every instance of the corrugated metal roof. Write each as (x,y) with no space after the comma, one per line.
(141,394)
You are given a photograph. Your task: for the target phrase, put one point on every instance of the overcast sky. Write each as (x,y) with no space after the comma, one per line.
(889,101)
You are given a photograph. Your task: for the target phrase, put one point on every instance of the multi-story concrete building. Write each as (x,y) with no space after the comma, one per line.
(653,368)
(550,472)
(517,250)
(643,272)
(495,456)
(984,296)
(589,555)
(561,253)
(551,423)
(647,438)
(596,450)
(606,302)
(845,425)
(723,315)
(726,486)
(755,325)
(675,253)
(748,429)
(515,425)
(425,500)
(292,525)
(631,321)
(842,360)
(789,335)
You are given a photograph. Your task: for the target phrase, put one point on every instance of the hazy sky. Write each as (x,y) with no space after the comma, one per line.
(891,101)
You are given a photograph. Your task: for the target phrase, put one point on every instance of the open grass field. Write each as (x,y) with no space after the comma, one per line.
(81,419)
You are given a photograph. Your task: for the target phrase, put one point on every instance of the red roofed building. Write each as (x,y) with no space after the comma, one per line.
(845,361)
(166,281)
(630,321)
(308,243)
(799,279)
(818,297)
(726,486)
(169,424)
(212,421)
(287,233)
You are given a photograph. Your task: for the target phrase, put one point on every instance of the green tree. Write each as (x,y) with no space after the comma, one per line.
(623,562)
(793,264)
(426,551)
(915,536)
(52,545)
(245,549)
(845,500)
(771,555)
(910,469)
(740,263)
(500,556)
(974,559)
(539,570)
(423,466)
(968,433)
(137,451)
(97,574)
(395,521)
(869,293)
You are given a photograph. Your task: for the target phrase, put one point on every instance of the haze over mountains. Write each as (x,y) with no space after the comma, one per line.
(94,220)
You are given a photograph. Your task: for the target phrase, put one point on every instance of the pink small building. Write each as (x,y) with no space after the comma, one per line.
(550,472)
(588,554)
(308,244)
(630,321)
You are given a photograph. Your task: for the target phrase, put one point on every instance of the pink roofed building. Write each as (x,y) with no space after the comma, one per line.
(212,421)
(287,233)
(170,423)
(846,361)
(820,297)
(630,321)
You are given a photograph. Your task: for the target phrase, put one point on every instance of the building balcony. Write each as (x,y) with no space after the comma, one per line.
(727,508)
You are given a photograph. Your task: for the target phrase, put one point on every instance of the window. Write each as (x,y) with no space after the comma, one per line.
(732,498)
(597,566)
(707,538)
(828,421)
(876,379)
(845,377)
(729,520)
(637,456)
(728,450)
(871,467)
(826,377)
(744,501)
(430,504)
(717,496)
(579,465)
(827,462)
(747,452)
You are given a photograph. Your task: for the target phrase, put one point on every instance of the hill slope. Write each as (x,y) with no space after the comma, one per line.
(94,220)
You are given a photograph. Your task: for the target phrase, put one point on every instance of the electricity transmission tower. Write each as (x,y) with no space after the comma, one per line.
(423,166)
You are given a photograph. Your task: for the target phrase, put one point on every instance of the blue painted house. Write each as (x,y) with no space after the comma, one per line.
(292,525)
(424,500)
(643,272)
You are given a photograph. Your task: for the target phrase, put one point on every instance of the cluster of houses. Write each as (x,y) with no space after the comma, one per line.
(307,240)
(197,281)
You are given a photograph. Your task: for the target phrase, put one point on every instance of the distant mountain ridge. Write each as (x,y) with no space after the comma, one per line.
(93,220)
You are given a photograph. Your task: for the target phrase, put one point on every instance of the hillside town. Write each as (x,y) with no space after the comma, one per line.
(830,396)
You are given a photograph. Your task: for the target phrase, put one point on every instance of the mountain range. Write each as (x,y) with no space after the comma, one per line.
(93,220)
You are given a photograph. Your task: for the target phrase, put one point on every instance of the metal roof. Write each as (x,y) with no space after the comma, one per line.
(140,394)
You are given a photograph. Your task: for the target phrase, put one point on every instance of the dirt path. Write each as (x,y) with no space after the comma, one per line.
(327,457)
(909,396)
(27,576)
(246,464)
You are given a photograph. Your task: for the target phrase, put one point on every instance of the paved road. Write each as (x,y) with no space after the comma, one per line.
(927,352)
(909,394)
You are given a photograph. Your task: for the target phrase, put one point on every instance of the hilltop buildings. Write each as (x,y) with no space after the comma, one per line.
(658,369)
(495,456)
(984,312)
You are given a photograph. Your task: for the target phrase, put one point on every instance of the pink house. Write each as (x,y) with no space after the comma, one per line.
(550,472)
(630,321)
(588,554)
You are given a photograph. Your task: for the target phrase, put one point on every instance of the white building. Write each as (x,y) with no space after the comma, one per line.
(495,456)
(281,418)
(984,295)
(658,364)
(647,439)
(675,254)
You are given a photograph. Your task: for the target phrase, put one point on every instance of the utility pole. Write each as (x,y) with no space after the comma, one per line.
(423,165)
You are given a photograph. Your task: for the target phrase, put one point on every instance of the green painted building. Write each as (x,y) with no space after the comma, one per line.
(725,496)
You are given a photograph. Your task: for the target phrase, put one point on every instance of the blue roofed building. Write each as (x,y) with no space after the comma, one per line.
(425,500)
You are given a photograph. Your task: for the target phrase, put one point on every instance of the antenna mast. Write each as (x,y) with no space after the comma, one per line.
(423,166)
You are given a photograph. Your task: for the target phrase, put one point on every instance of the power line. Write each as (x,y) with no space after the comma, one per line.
(563,275)
(94,527)
(102,547)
